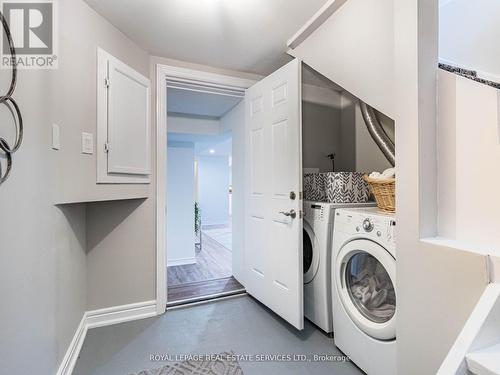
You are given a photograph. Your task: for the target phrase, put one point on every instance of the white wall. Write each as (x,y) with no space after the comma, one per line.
(180,203)
(437,286)
(192,125)
(468,187)
(469,32)
(234,121)
(355,49)
(46,276)
(213,189)
(446,148)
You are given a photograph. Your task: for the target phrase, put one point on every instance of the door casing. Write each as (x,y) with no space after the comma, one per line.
(184,76)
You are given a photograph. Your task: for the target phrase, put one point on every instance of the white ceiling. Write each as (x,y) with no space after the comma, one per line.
(196,103)
(244,35)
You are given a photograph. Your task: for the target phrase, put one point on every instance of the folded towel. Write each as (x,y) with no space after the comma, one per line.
(389,173)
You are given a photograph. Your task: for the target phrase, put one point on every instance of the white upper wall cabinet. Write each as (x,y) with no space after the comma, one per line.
(123,123)
(352,43)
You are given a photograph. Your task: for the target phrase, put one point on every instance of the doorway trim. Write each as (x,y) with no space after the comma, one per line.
(164,74)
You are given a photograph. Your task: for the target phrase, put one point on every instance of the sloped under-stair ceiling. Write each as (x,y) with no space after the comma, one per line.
(354,48)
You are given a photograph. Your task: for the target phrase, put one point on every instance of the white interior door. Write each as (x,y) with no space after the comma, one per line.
(273,230)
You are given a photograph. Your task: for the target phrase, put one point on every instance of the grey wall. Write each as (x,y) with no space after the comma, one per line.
(340,128)
(81,31)
(117,260)
(322,135)
(43,262)
(120,253)
(368,157)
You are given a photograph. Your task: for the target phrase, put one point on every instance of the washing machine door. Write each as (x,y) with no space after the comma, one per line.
(311,253)
(365,280)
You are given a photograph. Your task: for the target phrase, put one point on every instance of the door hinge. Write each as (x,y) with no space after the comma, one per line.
(301,214)
(106,83)
(106,147)
(301,195)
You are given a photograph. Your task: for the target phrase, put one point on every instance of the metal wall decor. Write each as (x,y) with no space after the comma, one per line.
(11,104)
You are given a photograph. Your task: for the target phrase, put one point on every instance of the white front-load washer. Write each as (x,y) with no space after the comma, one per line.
(364,294)
(317,246)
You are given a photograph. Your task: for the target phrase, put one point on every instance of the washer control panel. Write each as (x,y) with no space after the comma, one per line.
(315,212)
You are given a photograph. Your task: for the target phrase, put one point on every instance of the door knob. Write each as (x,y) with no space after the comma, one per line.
(291,214)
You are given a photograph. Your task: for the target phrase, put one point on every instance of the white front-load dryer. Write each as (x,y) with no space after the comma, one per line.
(364,294)
(317,247)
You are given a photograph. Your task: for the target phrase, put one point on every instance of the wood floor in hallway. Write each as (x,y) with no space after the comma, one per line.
(214,261)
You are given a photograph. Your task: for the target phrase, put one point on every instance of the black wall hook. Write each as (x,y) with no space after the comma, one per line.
(9,101)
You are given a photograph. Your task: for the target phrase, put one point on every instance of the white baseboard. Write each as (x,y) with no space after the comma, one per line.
(222,224)
(120,314)
(181,262)
(101,318)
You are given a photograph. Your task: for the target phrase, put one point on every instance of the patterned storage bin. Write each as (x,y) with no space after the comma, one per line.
(346,187)
(336,187)
(315,187)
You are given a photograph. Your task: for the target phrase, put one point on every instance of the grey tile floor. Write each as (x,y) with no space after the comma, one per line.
(241,325)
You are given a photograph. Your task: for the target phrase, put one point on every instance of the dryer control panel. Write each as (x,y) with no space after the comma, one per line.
(369,223)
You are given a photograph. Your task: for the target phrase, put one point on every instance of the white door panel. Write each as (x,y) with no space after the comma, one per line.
(273,258)
(128,121)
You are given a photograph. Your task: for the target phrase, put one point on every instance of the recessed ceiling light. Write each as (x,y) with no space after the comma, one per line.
(212,151)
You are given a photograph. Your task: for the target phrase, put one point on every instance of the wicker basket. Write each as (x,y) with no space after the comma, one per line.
(384,192)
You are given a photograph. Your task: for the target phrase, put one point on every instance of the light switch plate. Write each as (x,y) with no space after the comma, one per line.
(87,143)
(56,137)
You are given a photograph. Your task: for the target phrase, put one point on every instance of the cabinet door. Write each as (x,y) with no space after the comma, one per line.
(124,131)
(128,121)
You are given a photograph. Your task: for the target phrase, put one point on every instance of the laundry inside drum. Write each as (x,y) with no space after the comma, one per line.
(370,288)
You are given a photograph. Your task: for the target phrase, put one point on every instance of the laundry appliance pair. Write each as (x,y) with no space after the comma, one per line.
(349,280)
(317,244)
